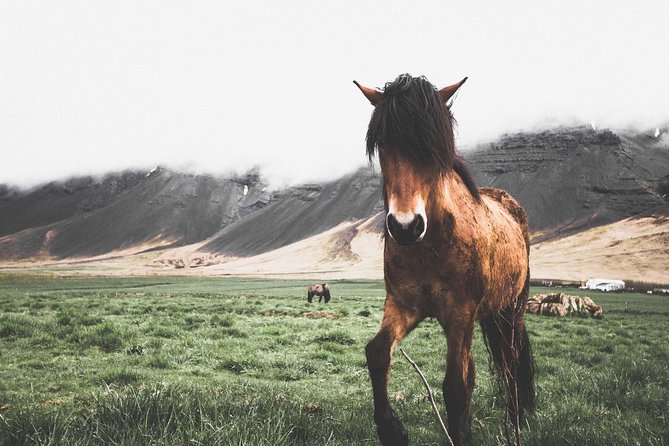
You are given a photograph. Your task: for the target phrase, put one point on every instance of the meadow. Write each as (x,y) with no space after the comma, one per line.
(230,361)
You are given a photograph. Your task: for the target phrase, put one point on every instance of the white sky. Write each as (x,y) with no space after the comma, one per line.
(93,86)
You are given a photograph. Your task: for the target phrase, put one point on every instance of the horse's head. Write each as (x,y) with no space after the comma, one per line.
(326,293)
(411,129)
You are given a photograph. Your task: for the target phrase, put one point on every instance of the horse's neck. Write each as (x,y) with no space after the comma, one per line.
(454,216)
(453,205)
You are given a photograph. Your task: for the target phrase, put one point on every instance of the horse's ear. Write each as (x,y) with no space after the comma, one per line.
(372,95)
(447,92)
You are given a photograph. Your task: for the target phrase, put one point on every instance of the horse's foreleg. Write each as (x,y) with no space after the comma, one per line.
(310,296)
(460,372)
(320,298)
(395,326)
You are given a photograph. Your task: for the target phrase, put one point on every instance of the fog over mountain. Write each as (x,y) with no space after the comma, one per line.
(90,88)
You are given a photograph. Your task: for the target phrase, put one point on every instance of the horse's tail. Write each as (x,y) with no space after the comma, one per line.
(509,347)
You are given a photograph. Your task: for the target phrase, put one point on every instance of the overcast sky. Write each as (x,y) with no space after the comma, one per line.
(93,86)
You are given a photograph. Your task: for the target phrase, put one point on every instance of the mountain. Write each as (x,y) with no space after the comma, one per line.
(58,201)
(300,212)
(131,211)
(569,180)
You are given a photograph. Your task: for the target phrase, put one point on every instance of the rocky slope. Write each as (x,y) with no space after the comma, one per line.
(128,212)
(300,212)
(57,201)
(570,179)
(634,248)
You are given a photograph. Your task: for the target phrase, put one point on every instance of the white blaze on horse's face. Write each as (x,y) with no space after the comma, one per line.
(406,195)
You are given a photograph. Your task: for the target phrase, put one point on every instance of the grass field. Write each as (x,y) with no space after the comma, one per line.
(190,361)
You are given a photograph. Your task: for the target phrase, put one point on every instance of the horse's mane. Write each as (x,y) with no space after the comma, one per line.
(411,117)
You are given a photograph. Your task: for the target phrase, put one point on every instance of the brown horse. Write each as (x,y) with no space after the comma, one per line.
(452,251)
(319,289)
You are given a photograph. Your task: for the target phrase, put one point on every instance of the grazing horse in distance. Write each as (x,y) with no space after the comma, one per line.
(452,252)
(319,289)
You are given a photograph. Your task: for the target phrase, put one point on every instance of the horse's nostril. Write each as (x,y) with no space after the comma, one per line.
(406,233)
(418,226)
(393,224)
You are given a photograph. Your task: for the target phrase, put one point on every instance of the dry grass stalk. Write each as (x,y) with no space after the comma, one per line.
(429,395)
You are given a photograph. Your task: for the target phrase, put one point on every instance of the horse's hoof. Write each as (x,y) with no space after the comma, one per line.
(392,433)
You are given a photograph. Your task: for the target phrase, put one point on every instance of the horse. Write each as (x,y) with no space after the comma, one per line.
(319,289)
(452,251)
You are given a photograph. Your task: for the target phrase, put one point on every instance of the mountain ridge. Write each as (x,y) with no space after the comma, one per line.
(569,180)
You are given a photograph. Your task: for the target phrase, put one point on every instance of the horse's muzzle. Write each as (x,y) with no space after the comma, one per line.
(406,233)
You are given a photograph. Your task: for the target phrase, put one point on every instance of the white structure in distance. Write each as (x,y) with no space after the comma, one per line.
(604,284)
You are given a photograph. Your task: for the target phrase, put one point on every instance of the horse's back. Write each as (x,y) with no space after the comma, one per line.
(511,206)
(508,202)
(506,265)
(318,288)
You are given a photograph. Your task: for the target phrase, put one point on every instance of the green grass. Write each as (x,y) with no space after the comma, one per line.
(183,361)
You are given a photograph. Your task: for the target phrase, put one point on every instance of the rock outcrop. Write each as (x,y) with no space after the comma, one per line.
(558,304)
(128,212)
(300,212)
(570,179)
